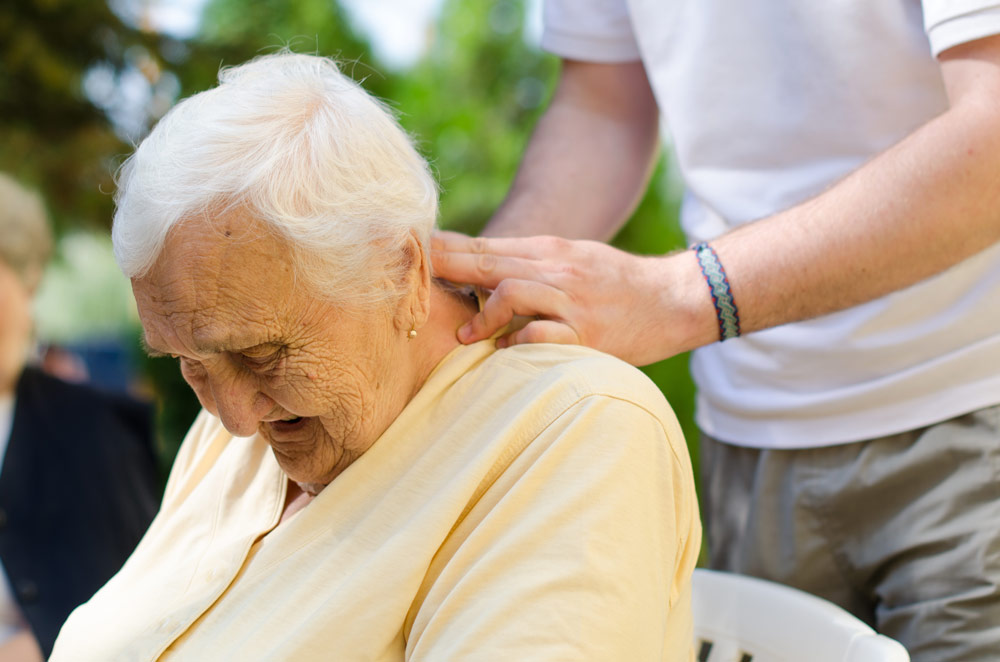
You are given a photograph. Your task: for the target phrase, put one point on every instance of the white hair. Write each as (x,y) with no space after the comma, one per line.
(299,145)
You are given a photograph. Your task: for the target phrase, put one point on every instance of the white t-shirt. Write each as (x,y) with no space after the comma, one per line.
(769,103)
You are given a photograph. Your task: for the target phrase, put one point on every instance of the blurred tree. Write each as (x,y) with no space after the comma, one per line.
(472,103)
(231,33)
(52,135)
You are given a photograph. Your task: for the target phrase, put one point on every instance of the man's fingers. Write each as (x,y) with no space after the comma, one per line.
(512,297)
(532,248)
(541,331)
(484,269)
(446,240)
(526,275)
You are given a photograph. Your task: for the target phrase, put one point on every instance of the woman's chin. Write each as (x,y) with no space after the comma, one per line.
(298,446)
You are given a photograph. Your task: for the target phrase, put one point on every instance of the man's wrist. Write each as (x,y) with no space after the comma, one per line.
(717,280)
(683,309)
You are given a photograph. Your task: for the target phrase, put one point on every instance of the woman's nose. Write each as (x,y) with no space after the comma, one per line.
(240,405)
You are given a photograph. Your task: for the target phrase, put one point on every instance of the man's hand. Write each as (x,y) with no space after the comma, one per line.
(640,309)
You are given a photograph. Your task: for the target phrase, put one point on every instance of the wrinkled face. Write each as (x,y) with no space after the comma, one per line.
(15,327)
(265,355)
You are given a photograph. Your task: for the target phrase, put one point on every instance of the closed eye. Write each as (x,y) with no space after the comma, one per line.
(257,361)
(186,362)
(192,370)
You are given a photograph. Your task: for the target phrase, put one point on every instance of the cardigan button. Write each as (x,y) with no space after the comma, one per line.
(27,590)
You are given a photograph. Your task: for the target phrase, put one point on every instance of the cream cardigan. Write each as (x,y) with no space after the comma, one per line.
(535,503)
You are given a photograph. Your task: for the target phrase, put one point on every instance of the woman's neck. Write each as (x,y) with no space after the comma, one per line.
(449,309)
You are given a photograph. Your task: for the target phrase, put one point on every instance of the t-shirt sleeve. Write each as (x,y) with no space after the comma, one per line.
(953,22)
(581,549)
(589,30)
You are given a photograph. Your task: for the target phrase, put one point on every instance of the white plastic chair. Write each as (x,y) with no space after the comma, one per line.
(743,619)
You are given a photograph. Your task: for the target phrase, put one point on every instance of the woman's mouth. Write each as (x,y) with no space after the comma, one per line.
(290,424)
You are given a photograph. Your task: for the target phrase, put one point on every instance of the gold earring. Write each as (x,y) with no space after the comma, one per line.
(412,334)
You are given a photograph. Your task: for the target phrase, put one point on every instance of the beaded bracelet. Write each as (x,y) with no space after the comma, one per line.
(718,285)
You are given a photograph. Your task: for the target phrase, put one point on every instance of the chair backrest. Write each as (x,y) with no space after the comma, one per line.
(743,619)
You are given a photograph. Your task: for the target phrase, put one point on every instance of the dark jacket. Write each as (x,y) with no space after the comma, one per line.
(78,489)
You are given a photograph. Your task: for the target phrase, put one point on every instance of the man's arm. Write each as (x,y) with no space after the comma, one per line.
(918,208)
(598,136)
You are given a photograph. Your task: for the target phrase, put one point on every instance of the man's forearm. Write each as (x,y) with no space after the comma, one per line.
(589,159)
(922,206)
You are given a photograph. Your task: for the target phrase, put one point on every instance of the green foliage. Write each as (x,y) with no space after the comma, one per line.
(51,137)
(231,33)
(472,103)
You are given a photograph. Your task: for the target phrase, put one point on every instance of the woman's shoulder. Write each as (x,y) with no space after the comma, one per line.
(516,397)
(579,372)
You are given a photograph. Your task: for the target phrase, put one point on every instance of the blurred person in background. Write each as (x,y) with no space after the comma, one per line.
(78,484)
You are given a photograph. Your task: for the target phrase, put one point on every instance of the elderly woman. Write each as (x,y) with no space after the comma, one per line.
(360,486)
(79,485)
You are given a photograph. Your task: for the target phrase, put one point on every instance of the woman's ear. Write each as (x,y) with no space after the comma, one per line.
(415,303)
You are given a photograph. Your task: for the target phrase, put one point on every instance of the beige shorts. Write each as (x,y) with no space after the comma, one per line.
(903,531)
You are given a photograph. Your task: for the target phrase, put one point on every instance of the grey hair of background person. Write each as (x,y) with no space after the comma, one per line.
(290,139)
(25,238)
